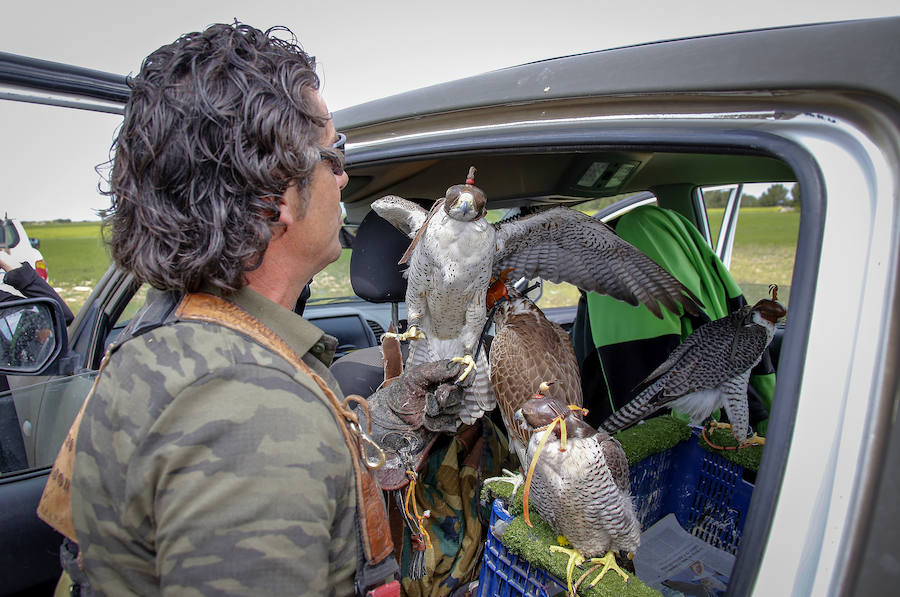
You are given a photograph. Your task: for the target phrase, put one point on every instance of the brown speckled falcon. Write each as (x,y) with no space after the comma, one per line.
(709,370)
(528,350)
(455,251)
(581,489)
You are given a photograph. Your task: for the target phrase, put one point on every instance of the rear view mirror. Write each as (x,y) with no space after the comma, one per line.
(32,336)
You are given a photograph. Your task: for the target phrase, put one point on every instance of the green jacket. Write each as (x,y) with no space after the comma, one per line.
(208,465)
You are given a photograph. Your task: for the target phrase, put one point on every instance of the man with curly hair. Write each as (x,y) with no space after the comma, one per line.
(206,462)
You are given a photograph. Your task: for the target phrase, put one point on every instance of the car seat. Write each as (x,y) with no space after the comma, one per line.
(377,277)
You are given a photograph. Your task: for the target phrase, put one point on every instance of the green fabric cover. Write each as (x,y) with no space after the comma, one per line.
(676,245)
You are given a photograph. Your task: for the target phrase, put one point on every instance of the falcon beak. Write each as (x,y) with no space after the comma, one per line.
(518,419)
(466,203)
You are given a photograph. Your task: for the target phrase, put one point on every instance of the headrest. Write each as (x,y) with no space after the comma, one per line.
(374,272)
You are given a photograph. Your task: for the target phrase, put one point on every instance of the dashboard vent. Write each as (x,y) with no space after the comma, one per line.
(376,329)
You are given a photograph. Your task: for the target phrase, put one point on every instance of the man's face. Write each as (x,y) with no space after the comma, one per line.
(316,233)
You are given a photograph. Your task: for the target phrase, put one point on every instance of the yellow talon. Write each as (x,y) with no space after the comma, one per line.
(413,333)
(575,559)
(713,424)
(470,365)
(753,440)
(609,562)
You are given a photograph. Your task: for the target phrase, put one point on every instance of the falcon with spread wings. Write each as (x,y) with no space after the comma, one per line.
(455,251)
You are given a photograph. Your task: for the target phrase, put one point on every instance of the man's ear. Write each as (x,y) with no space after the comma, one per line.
(288,206)
(285,213)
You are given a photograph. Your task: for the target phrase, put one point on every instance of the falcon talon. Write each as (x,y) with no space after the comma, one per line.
(753,440)
(413,333)
(470,365)
(608,563)
(575,559)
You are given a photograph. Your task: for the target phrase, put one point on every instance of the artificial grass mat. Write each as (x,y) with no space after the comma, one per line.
(749,457)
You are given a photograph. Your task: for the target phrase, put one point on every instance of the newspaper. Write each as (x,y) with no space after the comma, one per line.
(676,563)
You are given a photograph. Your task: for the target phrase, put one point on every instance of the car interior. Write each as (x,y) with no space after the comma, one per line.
(517,184)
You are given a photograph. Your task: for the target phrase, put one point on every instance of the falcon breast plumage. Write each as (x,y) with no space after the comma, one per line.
(528,350)
(581,489)
(709,370)
(455,251)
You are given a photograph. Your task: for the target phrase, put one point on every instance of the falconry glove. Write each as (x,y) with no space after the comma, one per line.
(408,413)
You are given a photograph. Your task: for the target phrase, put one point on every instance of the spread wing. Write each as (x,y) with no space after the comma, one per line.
(405,215)
(565,245)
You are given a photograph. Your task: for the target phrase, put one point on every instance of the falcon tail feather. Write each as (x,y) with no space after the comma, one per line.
(636,409)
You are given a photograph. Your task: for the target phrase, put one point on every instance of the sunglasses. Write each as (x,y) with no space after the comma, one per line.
(334,155)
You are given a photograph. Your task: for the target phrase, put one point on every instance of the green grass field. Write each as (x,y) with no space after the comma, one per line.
(764,250)
(75,256)
(763,254)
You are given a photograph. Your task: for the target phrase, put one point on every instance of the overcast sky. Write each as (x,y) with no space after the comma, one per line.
(365,50)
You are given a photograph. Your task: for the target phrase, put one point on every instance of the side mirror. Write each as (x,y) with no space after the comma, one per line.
(33,338)
(35,242)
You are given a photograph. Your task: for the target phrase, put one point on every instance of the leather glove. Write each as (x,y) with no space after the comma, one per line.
(407,415)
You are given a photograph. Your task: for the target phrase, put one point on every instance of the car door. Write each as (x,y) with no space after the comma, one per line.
(62,118)
(814,105)
(819,100)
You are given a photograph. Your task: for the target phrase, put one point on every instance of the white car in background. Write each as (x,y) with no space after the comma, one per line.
(14,240)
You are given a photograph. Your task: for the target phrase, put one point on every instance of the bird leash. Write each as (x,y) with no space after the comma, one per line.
(419,539)
(561,421)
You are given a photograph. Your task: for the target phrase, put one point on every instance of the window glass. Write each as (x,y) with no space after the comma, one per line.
(765,241)
(715,199)
(8,235)
(333,282)
(48,162)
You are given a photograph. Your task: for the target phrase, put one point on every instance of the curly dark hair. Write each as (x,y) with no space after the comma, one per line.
(218,125)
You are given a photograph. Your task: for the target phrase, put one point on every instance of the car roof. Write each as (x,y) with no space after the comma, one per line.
(784,58)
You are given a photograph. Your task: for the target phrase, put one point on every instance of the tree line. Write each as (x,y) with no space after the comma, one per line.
(775,195)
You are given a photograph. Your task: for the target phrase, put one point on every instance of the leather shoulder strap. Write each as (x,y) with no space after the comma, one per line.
(372,514)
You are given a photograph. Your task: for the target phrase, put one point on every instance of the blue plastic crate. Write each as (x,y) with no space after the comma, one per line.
(706,493)
(505,575)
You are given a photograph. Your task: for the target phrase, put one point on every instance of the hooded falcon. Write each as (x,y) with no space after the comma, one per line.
(455,251)
(709,370)
(528,350)
(578,482)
